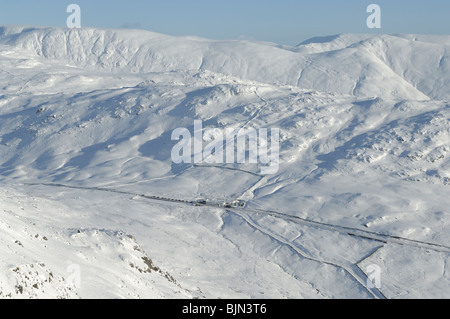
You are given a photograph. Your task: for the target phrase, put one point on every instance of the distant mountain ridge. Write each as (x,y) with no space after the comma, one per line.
(397,67)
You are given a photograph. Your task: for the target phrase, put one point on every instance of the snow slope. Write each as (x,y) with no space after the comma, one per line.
(88,182)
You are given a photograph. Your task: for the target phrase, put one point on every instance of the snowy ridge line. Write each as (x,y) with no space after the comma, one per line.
(346,63)
(352,270)
(351,231)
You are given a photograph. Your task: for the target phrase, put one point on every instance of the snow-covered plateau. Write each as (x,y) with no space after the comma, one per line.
(92,204)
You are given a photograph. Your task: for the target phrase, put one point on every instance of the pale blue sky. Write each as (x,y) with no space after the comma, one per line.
(281,21)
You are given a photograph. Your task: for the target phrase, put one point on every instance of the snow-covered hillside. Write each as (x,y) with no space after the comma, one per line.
(410,67)
(89,187)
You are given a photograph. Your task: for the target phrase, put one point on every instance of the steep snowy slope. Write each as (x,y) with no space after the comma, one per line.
(86,118)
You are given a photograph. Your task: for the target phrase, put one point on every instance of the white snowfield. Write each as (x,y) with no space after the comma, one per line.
(92,205)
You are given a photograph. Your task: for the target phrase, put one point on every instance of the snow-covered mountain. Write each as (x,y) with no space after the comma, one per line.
(403,66)
(89,187)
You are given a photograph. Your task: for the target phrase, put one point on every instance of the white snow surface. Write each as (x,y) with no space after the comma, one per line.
(89,189)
